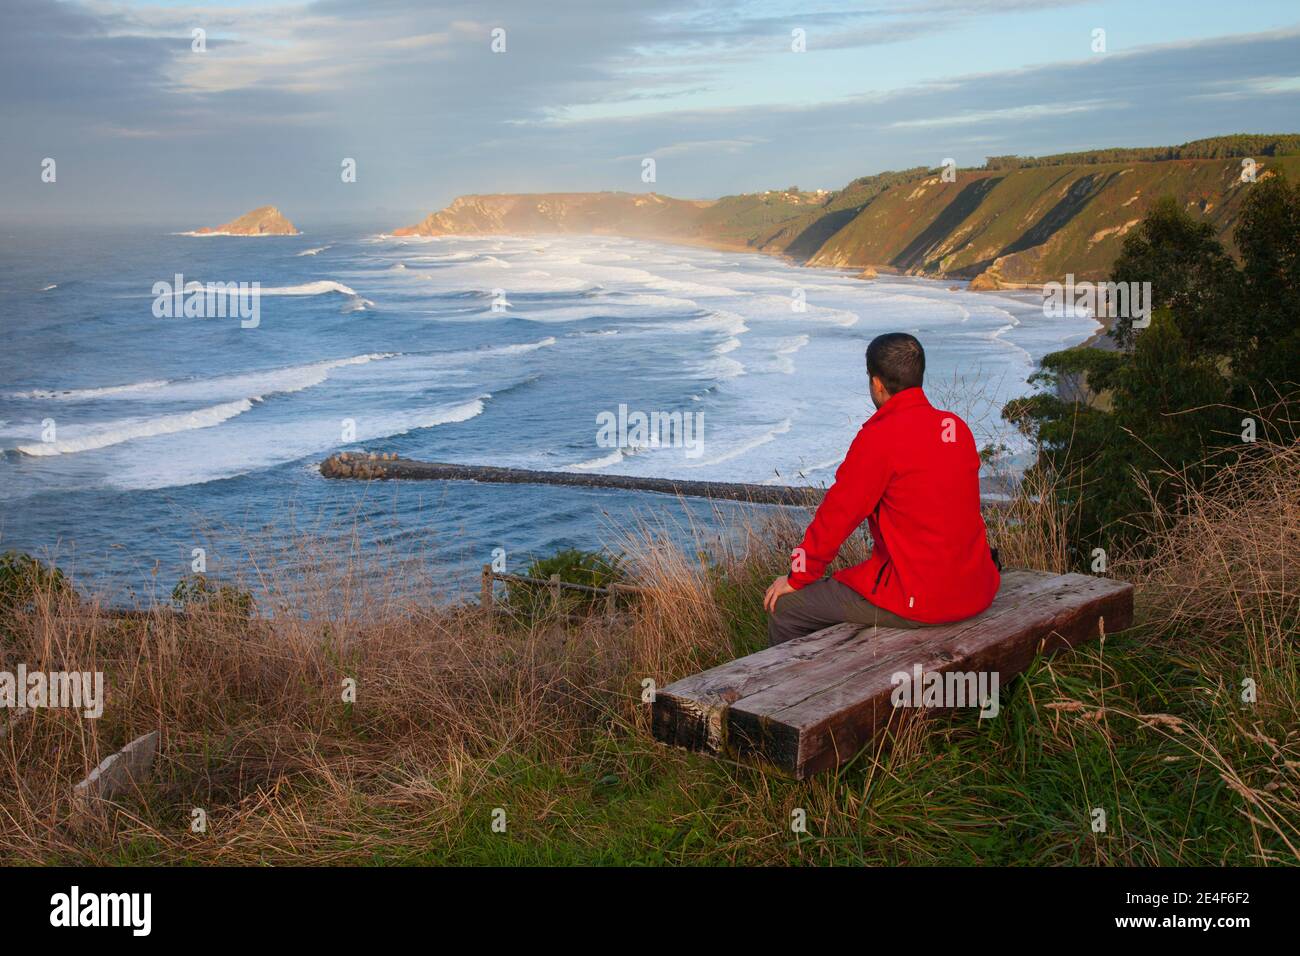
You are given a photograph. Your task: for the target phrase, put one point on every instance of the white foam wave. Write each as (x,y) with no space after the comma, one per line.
(613,458)
(238,235)
(791,345)
(248,445)
(115,433)
(256,384)
(448,257)
(744,447)
(521,347)
(319,287)
(717,320)
(785,348)
(83,394)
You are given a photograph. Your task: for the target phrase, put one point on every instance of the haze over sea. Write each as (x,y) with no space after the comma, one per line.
(172,433)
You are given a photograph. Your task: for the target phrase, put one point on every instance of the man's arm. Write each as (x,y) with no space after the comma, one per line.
(859,483)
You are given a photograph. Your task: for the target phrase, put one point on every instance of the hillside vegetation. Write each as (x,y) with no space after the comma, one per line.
(1015,221)
(363,725)
(536,714)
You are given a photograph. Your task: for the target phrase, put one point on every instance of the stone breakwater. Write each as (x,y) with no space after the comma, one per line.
(387,467)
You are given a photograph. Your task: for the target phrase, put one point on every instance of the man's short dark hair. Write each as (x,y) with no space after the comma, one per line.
(897,359)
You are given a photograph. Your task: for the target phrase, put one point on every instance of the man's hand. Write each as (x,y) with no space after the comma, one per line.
(778,588)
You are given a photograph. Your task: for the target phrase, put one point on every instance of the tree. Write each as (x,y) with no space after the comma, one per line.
(1162,411)
(1266,351)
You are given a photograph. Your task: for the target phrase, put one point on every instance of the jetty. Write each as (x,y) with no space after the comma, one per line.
(388,467)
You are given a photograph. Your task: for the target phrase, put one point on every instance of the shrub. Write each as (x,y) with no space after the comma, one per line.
(573,566)
(196,592)
(24,578)
(1166,410)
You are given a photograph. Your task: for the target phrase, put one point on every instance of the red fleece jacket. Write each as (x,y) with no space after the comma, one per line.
(912,473)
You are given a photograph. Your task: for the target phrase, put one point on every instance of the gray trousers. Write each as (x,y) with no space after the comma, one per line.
(822,604)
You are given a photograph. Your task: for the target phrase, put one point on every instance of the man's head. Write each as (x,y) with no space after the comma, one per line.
(895,361)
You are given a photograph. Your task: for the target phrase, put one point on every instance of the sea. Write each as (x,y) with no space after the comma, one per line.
(139,444)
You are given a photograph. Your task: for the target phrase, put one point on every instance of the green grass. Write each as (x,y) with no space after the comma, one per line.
(1010,791)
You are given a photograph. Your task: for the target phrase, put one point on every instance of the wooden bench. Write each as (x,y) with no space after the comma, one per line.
(812,703)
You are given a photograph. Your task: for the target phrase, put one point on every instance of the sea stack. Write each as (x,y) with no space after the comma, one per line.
(262,221)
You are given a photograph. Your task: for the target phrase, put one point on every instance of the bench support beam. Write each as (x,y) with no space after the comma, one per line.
(813,703)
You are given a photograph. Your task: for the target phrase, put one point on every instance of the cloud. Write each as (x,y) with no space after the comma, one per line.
(1250,87)
(711,146)
(1009,114)
(414,92)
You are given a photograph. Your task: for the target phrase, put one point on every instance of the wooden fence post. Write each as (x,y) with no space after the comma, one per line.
(485,590)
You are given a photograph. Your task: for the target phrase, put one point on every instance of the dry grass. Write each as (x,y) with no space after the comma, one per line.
(457,715)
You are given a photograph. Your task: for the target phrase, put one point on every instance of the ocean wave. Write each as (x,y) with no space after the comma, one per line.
(791,345)
(238,235)
(744,447)
(694,289)
(319,287)
(783,349)
(446,415)
(84,394)
(719,367)
(313,252)
(613,458)
(357,302)
(520,347)
(448,257)
(115,433)
(195,458)
(655,301)
(617,456)
(715,320)
(256,384)
(997,337)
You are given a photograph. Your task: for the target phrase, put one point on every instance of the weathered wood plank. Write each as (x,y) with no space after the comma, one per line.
(118,772)
(689,712)
(815,702)
(807,729)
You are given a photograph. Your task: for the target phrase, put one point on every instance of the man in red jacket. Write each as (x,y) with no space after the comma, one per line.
(912,473)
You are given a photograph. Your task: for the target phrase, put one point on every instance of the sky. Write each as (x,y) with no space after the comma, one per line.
(145,124)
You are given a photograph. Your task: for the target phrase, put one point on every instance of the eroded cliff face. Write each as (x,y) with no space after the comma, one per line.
(998,227)
(631,214)
(1034,225)
(262,221)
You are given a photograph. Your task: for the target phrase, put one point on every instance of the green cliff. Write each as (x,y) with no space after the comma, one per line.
(1014,221)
